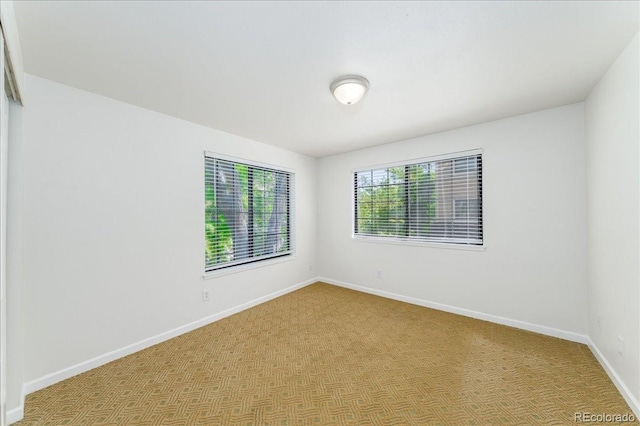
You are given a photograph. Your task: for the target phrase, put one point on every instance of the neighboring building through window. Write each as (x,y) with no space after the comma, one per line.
(465,209)
(464,165)
(248,213)
(437,200)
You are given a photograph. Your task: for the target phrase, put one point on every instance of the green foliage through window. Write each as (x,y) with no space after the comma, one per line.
(247,213)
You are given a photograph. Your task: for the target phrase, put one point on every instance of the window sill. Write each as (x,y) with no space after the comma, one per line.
(247,267)
(404,242)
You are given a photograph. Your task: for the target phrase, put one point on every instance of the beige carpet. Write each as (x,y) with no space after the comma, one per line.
(324,355)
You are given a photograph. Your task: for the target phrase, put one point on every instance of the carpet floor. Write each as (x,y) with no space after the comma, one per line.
(325,355)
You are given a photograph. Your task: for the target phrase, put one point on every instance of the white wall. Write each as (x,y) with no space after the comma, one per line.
(113,226)
(613,183)
(532,272)
(15,331)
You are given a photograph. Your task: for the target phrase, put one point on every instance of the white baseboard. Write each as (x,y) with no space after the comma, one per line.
(622,387)
(15,414)
(90,364)
(541,329)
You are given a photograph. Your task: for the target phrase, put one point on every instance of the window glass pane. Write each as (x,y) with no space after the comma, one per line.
(365,195)
(379,177)
(364,178)
(364,226)
(396,174)
(465,165)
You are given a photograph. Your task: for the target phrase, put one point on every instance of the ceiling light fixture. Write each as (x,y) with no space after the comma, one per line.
(349,89)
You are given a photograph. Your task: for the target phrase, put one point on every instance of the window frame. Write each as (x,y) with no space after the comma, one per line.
(410,241)
(261,261)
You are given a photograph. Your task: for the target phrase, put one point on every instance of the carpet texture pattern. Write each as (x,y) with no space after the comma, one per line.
(325,355)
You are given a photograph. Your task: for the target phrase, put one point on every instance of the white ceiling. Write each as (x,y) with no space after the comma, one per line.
(262,69)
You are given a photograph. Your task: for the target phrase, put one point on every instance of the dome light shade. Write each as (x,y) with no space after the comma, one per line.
(349,89)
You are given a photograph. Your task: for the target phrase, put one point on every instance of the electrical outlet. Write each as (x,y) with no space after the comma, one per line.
(205,295)
(621,345)
(379,274)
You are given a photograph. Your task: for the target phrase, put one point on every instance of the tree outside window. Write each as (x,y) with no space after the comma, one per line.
(247,213)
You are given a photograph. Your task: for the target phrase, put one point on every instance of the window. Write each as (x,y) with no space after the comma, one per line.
(432,200)
(248,213)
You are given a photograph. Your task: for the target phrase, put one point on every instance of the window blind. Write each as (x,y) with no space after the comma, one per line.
(433,201)
(248,213)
